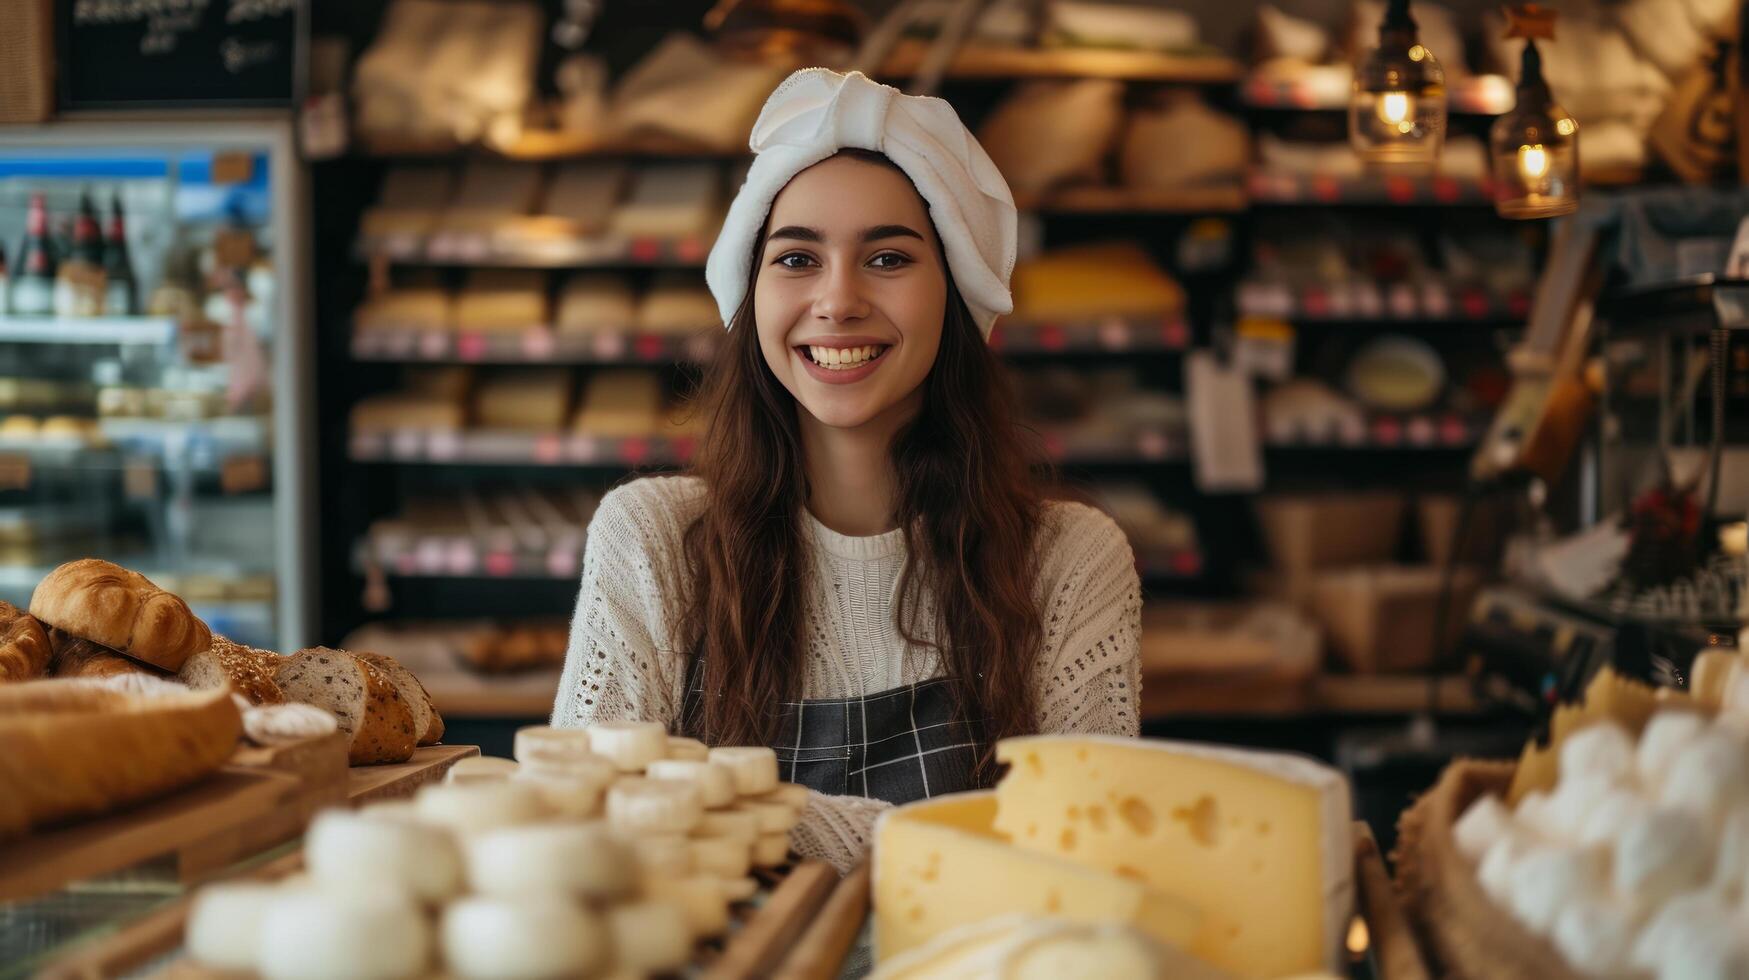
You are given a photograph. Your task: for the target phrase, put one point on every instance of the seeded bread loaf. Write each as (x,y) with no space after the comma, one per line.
(71,656)
(109,605)
(361,698)
(426,721)
(24,646)
(247,670)
(70,749)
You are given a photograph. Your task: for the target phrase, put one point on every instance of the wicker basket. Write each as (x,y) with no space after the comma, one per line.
(27,62)
(1468,936)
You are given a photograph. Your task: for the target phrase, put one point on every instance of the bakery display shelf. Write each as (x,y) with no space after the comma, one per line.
(488,250)
(1169,563)
(1280,188)
(989,61)
(761,931)
(1428,302)
(261,797)
(540,345)
(542,146)
(1481,95)
(1093,199)
(499,448)
(1108,334)
(439,555)
(1284,694)
(1387,431)
(1148,444)
(108,330)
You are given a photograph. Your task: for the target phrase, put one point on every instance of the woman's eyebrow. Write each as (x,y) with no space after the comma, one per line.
(803,234)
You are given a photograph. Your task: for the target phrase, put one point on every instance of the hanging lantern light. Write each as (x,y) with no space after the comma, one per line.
(1396,112)
(1535,147)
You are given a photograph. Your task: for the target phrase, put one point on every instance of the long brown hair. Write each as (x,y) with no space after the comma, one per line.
(968,496)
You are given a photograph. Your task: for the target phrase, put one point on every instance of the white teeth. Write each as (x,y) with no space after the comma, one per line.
(840,358)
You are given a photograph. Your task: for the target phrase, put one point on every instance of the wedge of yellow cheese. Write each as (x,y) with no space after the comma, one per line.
(939,865)
(1260,843)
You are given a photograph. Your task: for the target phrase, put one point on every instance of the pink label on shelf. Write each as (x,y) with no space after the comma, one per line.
(406,444)
(998,336)
(1399,190)
(1153,444)
(1421,431)
(461,558)
(444,445)
(547,447)
(608,346)
(1186,563)
(1327,189)
(1050,337)
(645,250)
(367,445)
(428,556)
(634,451)
(470,346)
(1315,302)
(1176,334)
(582,449)
(1053,445)
(405,564)
(1402,301)
(433,345)
(366,343)
(1387,431)
(649,347)
(1518,304)
(701,348)
(683,447)
(1446,190)
(537,345)
(562,562)
(1114,333)
(500,564)
(1453,431)
(689,249)
(1474,303)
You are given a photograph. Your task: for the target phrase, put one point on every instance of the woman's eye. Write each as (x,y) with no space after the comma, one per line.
(793,260)
(889,260)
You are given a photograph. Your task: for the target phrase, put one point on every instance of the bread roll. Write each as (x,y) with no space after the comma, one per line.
(24,645)
(360,697)
(107,604)
(69,749)
(70,656)
(426,721)
(245,669)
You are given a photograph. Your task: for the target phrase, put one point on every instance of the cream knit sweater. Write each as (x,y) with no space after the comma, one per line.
(624,661)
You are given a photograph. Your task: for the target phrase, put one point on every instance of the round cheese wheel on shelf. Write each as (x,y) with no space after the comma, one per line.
(1660,854)
(1485,821)
(722,857)
(346,933)
(470,807)
(699,897)
(771,850)
(574,797)
(773,818)
(1595,934)
(740,889)
(224,924)
(522,937)
(665,855)
(716,784)
(544,743)
(480,769)
(688,749)
(1603,749)
(1550,878)
(755,767)
(583,860)
(654,806)
(794,795)
(1663,738)
(630,745)
(729,823)
(650,937)
(346,848)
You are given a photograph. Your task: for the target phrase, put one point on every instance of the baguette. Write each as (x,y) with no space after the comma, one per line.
(107,604)
(426,721)
(246,670)
(24,646)
(71,656)
(361,697)
(69,749)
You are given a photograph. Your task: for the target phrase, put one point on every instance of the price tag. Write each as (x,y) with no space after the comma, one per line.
(462,557)
(428,556)
(406,444)
(562,562)
(242,474)
(682,448)
(500,564)
(547,448)
(367,445)
(537,345)
(634,451)
(608,346)
(1326,189)
(1421,431)
(645,250)
(433,345)
(14,471)
(139,478)
(702,348)
(1050,337)
(689,249)
(1114,333)
(1399,190)
(444,445)
(470,346)
(583,449)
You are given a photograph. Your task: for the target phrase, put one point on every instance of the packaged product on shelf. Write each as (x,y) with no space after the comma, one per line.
(676,303)
(1048,133)
(535,400)
(1243,859)
(31,288)
(686,89)
(409,201)
(1085,282)
(1079,23)
(671,200)
(597,302)
(583,195)
(502,300)
(420,302)
(79,281)
(407,410)
(620,403)
(1182,142)
(491,195)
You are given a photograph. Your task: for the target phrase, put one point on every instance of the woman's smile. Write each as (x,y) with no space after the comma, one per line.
(841,360)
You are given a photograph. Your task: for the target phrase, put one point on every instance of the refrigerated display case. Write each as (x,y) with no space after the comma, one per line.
(163,427)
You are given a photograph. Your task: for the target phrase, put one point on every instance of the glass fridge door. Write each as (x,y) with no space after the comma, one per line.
(153,364)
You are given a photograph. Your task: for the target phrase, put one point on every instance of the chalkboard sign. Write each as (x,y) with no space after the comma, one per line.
(161,53)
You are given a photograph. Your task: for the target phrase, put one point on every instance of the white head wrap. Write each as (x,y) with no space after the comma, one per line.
(815,113)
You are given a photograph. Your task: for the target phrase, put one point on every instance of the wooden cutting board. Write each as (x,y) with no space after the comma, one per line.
(399,780)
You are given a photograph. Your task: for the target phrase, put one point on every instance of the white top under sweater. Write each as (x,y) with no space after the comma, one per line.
(624,661)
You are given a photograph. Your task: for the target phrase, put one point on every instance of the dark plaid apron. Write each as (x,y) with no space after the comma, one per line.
(905,744)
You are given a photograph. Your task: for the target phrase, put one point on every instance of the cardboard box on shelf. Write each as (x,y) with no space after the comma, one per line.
(1382,618)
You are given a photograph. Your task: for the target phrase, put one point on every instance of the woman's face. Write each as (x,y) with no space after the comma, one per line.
(850,292)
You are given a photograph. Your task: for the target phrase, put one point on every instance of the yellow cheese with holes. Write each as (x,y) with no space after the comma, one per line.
(938,865)
(1259,842)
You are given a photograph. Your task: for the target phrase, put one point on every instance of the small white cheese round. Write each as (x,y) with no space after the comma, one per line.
(1531,816)
(1661,741)
(770,850)
(755,767)
(544,743)
(480,769)
(1550,878)
(1495,871)
(656,806)
(722,857)
(1682,921)
(224,924)
(350,933)
(728,823)
(1595,935)
(629,745)
(1573,802)
(773,818)
(574,797)
(1708,777)
(1485,821)
(795,795)
(1731,866)
(650,937)
(1610,816)
(522,937)
(699,897)
(1602,749)
(716,784)
(1661,853)
(661,855)
(688,749)
(739,889)
(344,848)
(580,859)
(470,807)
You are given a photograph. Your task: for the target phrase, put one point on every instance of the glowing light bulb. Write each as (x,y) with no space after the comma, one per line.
(1533,161)
(1394,108)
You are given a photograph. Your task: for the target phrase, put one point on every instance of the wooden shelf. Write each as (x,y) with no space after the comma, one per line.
(1097,199)
(538,146)
(999,62)
(1241,696)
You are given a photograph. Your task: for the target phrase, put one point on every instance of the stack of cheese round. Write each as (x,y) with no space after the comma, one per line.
(612,850)
(1636,863)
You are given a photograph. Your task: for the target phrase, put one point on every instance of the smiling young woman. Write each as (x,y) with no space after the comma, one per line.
(861,569)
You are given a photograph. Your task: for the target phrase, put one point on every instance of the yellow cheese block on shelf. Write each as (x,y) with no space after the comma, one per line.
(939,865)
(1258,842)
